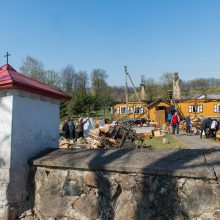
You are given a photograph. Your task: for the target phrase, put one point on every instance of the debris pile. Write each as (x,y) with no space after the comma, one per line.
(114,136)
(109,136)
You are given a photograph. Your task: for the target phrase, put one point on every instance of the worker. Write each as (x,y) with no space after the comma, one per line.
(188,125)
(66,129)
(79,127)
(169,117)
(72,129)
(175,122)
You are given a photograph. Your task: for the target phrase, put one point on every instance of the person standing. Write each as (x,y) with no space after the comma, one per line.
(79,127)
(175,123)
(66,129)
(72,129)
(169,117)
(188,125)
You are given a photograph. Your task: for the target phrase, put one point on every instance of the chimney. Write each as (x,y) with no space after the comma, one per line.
(176,86)
(142,89)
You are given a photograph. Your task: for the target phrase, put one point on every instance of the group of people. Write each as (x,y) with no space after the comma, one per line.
(208,127)
(72,131)
(174,120)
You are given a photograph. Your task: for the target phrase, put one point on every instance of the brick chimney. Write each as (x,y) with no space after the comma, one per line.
(176,86)
(142,90)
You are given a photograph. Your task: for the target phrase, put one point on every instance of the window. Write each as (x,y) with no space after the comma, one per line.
(195,108)
(123,110)
(138,110)
(217,108)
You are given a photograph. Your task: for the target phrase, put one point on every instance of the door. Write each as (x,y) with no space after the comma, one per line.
(160,117)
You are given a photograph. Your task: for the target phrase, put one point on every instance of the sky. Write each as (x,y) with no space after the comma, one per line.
(149,36)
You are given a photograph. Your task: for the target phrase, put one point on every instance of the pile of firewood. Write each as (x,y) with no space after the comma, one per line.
(110,136)
(113,136)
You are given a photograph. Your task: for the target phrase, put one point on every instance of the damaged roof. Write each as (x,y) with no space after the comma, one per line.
(208,96)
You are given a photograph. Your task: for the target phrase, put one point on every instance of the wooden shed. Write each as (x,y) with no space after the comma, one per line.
(158,111)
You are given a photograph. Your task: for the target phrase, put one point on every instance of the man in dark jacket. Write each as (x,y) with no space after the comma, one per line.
(66,129)
(188,125)
(204,127)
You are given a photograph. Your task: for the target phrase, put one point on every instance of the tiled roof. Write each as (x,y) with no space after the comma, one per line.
(11,79)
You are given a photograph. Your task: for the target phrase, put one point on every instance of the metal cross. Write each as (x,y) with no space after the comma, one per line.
(7,55)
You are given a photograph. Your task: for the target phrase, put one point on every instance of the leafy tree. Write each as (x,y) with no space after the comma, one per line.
(92,103)
(63,109)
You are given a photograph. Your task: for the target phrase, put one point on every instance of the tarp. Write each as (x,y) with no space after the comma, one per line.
(90,124)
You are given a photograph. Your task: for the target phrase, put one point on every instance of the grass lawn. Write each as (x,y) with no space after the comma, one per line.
(158,142)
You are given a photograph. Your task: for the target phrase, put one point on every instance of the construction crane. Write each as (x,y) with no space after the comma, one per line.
(127,75)
(126,89)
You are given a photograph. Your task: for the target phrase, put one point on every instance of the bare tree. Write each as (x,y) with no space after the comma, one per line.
(166,81)
(53,78)
(151,88)
(33,68)
(68,79)
(81,82)
(98,81)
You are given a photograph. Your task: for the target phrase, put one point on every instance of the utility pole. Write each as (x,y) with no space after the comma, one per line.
(132,84)
(126,89)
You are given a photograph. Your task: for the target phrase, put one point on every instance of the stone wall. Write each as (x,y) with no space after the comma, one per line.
(126,184)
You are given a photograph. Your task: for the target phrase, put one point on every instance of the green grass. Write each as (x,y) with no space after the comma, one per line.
(157,142)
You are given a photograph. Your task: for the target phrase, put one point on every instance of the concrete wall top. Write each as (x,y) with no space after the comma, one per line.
(198,163)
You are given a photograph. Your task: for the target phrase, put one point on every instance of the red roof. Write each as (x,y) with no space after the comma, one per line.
(11,79)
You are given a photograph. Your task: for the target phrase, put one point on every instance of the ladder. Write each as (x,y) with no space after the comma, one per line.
(182,116)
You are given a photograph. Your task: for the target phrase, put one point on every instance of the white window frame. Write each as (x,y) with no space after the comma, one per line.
(129,109)
(122,110)
(217,108)
(138,110)
(195,108)
(118,110)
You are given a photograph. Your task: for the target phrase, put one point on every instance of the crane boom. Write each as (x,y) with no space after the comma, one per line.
(126,72)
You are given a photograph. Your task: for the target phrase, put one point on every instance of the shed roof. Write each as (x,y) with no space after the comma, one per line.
(11,79)
(157,101)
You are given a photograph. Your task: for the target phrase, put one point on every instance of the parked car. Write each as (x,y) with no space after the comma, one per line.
(134,122)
